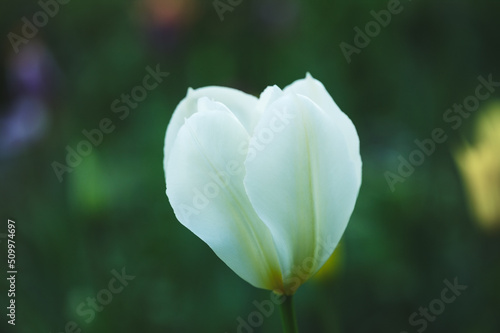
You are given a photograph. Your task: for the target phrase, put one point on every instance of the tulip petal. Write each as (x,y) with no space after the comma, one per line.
(205,188)
(268,96)
(241,104)
(315,90)
(302,182)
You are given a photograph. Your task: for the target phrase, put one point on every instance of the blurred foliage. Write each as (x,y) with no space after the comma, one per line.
(111,210)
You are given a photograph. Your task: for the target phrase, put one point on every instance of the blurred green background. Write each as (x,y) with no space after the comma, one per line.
(111,211)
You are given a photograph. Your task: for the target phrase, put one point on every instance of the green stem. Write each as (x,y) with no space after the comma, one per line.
(288,316)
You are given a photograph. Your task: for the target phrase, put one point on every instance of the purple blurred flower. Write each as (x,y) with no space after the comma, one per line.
(32,71)
(26,122)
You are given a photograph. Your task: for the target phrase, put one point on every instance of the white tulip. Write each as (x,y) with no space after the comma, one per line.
(264,182)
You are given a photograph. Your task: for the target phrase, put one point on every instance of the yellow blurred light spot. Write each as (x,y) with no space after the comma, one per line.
(331,267)
(480,168)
